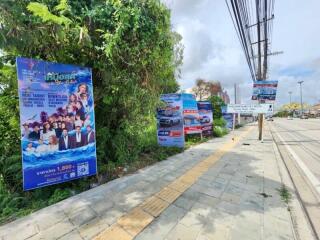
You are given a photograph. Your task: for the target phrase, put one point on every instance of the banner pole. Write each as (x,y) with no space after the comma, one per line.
(233,125)
(260,123)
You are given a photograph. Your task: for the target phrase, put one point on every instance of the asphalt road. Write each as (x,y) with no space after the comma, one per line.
(303,137)
(299,144)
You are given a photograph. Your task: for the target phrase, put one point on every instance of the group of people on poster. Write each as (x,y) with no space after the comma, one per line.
(68,128)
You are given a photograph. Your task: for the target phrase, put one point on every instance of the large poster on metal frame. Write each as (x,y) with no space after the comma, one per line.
(57,122)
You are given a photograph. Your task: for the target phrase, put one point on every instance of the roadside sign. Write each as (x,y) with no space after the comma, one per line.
(170,121)
(250,108)
(57,122)
(206,117)
(191,118)
(265,90)
(228,117)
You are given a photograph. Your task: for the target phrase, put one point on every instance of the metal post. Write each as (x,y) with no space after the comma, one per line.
(300,82)
(235,100)
(290,96)
(290,111)
(260,126)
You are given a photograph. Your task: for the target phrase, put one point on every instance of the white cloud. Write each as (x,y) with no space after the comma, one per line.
(213,51)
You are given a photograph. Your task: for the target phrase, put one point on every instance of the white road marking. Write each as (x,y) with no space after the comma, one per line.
(312,178)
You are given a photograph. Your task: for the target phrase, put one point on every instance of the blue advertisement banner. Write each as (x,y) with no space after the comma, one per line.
(206,117)
(191,118)
(265,90)
(228,117)
(57,122)
(170,121)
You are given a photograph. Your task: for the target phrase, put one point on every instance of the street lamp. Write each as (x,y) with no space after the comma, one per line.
(300,82)
(290,102)
(290,96)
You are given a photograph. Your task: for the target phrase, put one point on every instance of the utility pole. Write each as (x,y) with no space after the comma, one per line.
(300,82)
(259,73)
(234,115)
(253,21)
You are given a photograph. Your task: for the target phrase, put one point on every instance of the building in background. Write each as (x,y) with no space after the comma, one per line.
(315,110)
(225,97)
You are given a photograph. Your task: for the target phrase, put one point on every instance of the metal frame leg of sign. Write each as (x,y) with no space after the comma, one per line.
(233,125)
(260,124)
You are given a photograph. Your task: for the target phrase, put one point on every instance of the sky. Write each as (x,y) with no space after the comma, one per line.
(212,50)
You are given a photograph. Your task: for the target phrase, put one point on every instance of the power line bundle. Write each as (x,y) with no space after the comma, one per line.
(252,20)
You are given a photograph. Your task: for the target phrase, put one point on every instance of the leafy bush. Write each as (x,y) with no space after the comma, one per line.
(58,195)
(219,131)
(10,203)
(220,122)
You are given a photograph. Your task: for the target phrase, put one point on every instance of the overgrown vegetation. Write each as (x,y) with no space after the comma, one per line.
(134,56)
(282,113)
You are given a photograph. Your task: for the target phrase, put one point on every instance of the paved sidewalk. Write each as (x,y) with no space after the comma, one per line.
(235,198)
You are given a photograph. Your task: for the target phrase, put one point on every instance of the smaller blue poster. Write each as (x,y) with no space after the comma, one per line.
(191,118)
(265,90)
(228,117)
(206,117)
(170,121)
(57,122)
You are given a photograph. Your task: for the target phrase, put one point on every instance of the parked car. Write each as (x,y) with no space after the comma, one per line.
(304,116)
(191,120)
(170,120)
(204,119)
(270,119)
(290,118)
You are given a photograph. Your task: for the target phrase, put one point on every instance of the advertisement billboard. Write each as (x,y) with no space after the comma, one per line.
(265,90)
(191,118)
(206,117)
(170,121)
(57,122)
(228,117)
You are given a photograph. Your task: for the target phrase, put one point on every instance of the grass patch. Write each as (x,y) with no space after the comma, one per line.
(285,195)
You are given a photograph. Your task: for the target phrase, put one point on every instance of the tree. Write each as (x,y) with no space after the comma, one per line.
(214,88)
(294,106)
(217,102)
(205,89)
(201,89)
